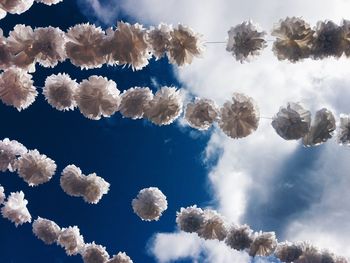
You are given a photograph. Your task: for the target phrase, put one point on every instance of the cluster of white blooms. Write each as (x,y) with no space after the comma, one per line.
(2,194)
(46,230)
(15,209)
(9,151)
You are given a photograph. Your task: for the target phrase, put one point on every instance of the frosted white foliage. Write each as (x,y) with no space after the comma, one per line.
(121,257)
(264,244)
(292,122)
(35,168)
(97,96)
(49,2)
(93,253)
(239,117)
(213,227)
(9,151)
(245,41)
(190,219)
(90,187)
(165,107)
(71,240)
(46,230)
(239,237)
(201,113)
(184,45)
(16,6)
(134,101)
(5,55)
(16,88)
(288,252)
(84,46)
(59,91)
(344,130)
(15,209)
(159,39)
(149,204)
(2,194)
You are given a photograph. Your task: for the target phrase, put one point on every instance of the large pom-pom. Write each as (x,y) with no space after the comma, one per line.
(344,130)
(327,257)
(240,117)
(93,253)
(165,107)
(190,219)
(293,39)
(149,204)
(322,128)
(239,237)
(134,102)
(201,114)
(16,88)
(46,230)
(71,240)
(35,168)
(264,244)
(16,6)
(245,41)
(2,195)
(49,2)
(310,255)
(9,151)
(5,54)
(121,257)
(159,39)
(59,91)
(288,252)
(292,122)
(213,227)
(15,209)
(97,97)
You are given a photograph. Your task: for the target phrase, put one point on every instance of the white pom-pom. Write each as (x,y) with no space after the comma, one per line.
(184,45)
(9,151)
(310,254)
(239,237)
(2,195)
(71,240)
(93,253)
(16,88)
(5,54)
(121,257)
(16,6)
(49,2)
(239,117)
(245,41)
(288,252)
(35,168)
(46,230)
(3,13)
(91,187)
(264,244)
(134,101)
(159,39)
(149,204)
(201,114)
(59,91)
(344,130)
(292,122)
(165,107)
(15,209)
(213,227)
(97,97)
(190,219)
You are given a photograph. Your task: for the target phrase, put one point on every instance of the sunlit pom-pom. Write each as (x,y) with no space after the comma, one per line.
(49,2)
(149,204)
(16,6)
(9,151)
(292,122)
(310,255)
(184,45)
(121,257)
(16,88)
(35,168)
(245,41)
(97,97)
(322,128)
(48,46)
(159,39)
(213,227)
(190,219)
(134,101)
(93,253)
(293,39)
(239,237)
(288,252)
(15,209)
(84,46)
(46,230)
(5,54)
(239,117)
(2,195)
(165,107)
(201,114)
(344,130)
(264,244)
(59,91)
(71,240)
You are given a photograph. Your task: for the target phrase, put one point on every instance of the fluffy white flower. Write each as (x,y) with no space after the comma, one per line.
(9,151)
(190,219)
(35,168)
(288,252)
(292,122)
(97,97)
(91,187)
(264,244)
(121,257)
(159,39)
(5,54)
(49,2)
(93,253)
(134,102)
(213,227)
(245,41)
(16,88)
(59,91)
(344,130)
(71,240)
(16,6)
(46,230)
(239,117)
(15,209)
(2,195)
(201,113)
(310,255)
(165,107)
(149,204)
(184,45)
(239,237)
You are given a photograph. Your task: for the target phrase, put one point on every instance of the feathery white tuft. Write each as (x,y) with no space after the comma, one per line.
(49,2)
(201,113)
(5,54)
(239,237)
(264,244)
(93,253)
(46,230)
(71,240)
(310,254)
(288,252)
(159,39)
(15,209)
(213,227)
(344,130)
(16,6)
(134,101)
(190,219)
(9,151)
(121,257)
(2,195)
